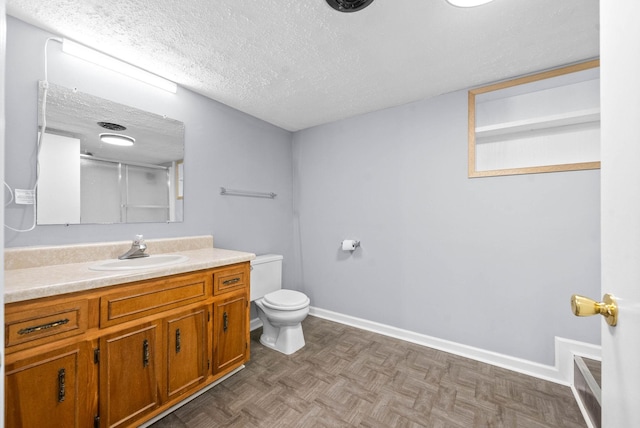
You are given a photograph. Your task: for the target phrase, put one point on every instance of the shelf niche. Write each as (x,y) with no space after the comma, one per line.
(547,122)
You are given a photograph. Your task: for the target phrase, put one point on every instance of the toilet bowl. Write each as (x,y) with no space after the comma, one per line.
(282,313)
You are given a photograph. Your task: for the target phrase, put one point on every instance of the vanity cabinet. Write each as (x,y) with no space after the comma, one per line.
(48,390)
(120,355)
(186,351)
(230,346)
(128,375)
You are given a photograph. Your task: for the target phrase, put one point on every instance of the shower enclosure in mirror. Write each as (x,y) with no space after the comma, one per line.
(85,179)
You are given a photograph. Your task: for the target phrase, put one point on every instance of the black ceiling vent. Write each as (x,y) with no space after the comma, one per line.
(112,126)
(349,5)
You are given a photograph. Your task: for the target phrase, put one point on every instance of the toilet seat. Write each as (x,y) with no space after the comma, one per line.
(285,300)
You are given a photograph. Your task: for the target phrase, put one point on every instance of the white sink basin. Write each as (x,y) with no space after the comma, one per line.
(159,260)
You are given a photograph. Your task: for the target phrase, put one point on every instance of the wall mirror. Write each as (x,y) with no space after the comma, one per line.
(83,179)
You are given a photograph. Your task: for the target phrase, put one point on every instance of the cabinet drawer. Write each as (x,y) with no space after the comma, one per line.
(151,297)
(230,280)
(46,324)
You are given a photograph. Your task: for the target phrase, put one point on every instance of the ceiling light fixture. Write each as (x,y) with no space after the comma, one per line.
(349,5)
(106,61)
(468,3)
(111,126)
(117,139)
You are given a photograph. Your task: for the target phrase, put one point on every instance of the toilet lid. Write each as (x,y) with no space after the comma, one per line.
(285,300)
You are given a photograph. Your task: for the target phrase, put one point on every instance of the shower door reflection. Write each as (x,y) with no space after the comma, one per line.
(115,192)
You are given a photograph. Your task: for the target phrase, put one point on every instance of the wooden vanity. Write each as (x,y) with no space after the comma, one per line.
(117,355)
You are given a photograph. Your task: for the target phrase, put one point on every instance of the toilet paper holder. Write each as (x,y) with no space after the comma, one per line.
(349,244)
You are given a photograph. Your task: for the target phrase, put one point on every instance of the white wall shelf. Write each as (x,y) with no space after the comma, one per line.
(538,123)
(546,122)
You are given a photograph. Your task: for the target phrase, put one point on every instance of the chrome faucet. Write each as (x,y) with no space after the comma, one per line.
(137,249)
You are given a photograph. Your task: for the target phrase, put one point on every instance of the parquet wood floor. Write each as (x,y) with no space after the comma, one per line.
(347,377)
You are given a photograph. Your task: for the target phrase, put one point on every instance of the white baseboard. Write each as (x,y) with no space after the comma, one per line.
(567,348)
(254,324)
(561,373)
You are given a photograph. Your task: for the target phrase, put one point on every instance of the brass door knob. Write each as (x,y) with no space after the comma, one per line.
(583,307)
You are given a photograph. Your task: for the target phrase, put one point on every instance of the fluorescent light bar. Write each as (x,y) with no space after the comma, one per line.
(88,54)
(468,3)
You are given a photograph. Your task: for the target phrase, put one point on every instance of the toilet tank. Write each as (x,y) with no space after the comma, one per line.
(266,275)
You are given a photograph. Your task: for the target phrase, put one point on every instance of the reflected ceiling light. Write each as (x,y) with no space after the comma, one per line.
(117,139)
(468,3)
(106,61)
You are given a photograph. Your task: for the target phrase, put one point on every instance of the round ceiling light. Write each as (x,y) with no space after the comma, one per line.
(117,139)
(349,5)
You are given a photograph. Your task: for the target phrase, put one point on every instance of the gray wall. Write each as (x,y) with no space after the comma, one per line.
(223,147)
(486,262)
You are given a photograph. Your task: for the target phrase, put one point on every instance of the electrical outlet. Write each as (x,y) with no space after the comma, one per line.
(25,196)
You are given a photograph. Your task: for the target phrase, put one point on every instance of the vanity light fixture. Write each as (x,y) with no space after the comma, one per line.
(468,3)
(117,139)
(106,61)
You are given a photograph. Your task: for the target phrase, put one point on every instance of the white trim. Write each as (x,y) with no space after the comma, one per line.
(583,410)
(561,373)
(566,349)
(255,324)
(592,385)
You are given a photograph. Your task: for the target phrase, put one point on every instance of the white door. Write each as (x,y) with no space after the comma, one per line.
(620,102)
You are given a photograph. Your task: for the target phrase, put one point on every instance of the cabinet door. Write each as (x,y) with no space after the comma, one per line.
(230,332)
(47,390)
(186,351)
(128,377)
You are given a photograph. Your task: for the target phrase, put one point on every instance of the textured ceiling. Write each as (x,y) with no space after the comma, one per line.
(159,140)
(298,64)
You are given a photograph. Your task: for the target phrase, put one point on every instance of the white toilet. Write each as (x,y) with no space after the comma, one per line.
(281,311)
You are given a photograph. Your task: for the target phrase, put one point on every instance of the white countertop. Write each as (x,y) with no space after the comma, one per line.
(44,281)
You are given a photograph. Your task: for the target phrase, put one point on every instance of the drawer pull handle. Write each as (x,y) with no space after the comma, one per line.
(230,281)
(61,385)
(145,353)
(177,340)
(225,321)
(43,326)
